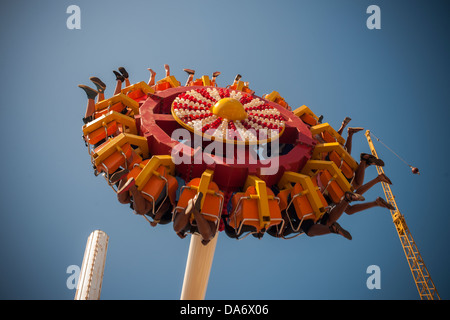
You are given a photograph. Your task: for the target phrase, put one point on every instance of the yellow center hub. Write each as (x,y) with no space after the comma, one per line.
(230,109)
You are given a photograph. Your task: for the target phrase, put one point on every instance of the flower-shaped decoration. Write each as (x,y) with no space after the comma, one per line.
(227,115)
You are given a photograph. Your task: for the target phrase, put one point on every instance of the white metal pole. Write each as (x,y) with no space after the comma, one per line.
(198,268)
(91,273)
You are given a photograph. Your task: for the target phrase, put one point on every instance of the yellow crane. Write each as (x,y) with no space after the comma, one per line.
(424,283)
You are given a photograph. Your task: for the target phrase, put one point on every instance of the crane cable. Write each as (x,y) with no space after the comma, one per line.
(414,170)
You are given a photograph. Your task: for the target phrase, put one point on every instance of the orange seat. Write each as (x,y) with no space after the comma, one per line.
(119,152)
(308,119)
(281,102)
(306,115)
(327,137)
(118,107)
(341,164)
(245,212)
(247,90)
(302,200)
(102,133)
(110,124)
(119,103)
(162,86)
(337,154)
(196,82)
(137,95)
(326,133)
(166,83)
(303,206)
(283,195)
(156,183)
(123,158)
(213,200)
(137,91)
(332,188)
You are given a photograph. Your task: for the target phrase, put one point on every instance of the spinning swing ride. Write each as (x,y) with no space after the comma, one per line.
(162,133)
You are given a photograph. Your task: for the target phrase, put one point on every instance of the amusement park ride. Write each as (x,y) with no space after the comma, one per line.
(223,143)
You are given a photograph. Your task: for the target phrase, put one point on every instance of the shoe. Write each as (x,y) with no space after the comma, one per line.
(198,202)
(320,119)
(238,77)
(336,228)
(216,74)
(354,130)
(383,203)
(118,175)
(131,182)
(194,204)
(154,223)
(346,121)
(91,93)
(119,76)
(123,72)
(101,86)
(370,159)
(181,235)
(351,196)
(189,71)
(384,178)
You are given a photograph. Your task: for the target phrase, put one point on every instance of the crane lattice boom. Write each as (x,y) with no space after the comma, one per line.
(422,278)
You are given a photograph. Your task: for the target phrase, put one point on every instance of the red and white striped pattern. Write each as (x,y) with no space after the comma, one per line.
(193,109)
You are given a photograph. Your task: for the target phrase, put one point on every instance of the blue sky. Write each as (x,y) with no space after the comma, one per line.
(393,81)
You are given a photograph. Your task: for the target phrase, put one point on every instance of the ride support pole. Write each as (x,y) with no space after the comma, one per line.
(91,274)
(198,268)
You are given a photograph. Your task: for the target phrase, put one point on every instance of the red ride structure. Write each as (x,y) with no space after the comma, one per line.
(251,151)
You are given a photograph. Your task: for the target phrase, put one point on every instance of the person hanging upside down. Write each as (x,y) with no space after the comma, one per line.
(167,68)
(379,202)
(328,222)
(191,220)
(91,95)
(101,86)
(100,92)
(90,109)
(214,77)
(236,80)
(366,160)
(128,193)
(329,219)
(151,81)
(121,76)
(344,123)
(190,78)
(325,225)
(350,132)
